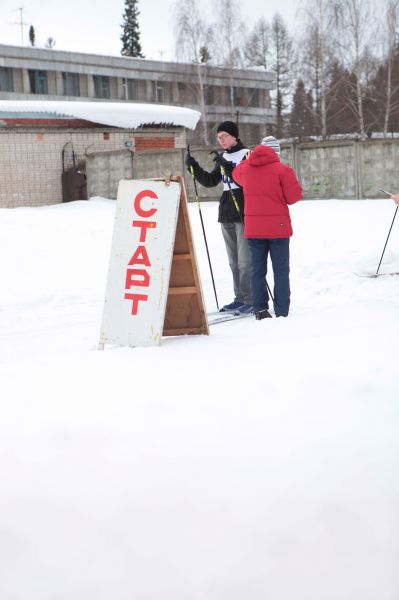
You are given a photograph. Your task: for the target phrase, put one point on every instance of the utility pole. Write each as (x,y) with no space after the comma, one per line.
(21,23)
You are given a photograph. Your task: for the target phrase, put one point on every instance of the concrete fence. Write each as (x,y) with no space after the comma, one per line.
(105,169)
(31,165)
(346,169)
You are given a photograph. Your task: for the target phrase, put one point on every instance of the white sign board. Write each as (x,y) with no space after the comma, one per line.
(140,263)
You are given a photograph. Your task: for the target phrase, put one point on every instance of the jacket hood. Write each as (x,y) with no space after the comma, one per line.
(262,155)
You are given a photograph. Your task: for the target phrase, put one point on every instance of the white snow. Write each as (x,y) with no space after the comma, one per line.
(116,114)
(259,463)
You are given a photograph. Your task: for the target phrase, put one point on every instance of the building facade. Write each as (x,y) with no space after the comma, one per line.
(242,95)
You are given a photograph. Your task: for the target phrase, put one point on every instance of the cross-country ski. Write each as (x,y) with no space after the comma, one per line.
(376,275)
(227,316)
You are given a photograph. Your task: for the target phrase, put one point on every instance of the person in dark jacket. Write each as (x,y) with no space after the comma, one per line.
(230,216)
(269,187)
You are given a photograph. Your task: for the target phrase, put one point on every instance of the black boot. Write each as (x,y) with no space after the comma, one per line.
(262,314)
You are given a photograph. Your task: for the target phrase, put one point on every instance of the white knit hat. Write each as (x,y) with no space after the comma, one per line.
(272,142)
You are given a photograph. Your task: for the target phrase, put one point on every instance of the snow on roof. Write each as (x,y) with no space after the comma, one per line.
(127,115)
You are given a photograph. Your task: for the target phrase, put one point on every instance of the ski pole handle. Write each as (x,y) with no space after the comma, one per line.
(191,169)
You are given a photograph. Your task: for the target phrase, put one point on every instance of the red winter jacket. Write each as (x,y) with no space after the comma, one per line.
(269,186)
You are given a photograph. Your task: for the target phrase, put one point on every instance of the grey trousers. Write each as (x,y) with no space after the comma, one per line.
(239,260)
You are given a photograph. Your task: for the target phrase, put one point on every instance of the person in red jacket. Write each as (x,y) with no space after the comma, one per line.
(269,187)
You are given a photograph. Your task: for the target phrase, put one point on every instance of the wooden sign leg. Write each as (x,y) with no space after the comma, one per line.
(185,308)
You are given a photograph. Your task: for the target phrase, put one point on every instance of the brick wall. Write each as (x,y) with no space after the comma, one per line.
(31,160)
(154,143)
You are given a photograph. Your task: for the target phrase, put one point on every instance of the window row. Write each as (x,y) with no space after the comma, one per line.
(133,89)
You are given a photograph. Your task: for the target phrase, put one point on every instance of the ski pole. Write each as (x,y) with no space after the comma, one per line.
(203,228)
(269,290)
(223,171)
(389,233)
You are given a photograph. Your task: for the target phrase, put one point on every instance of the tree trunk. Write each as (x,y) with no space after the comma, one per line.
(323,111)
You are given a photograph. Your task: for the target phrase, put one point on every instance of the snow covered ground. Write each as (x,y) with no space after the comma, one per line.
(259,463)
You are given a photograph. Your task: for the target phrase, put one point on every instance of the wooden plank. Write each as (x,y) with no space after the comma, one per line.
(177,257)
(183,290)
(183,331)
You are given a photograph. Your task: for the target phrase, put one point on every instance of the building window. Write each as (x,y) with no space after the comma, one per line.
(240,97)
(38,81)
(209,93)
(159,92)
(71,84)
(253,98)
(101,86)
(130,89)
(6,84)
(182,91)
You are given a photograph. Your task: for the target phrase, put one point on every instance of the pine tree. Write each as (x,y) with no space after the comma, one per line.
(50,42)
(130,38)
(32,35)
(205,56)
(256,51)
(301,118)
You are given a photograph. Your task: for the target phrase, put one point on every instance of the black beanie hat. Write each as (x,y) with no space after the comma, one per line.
(229,127)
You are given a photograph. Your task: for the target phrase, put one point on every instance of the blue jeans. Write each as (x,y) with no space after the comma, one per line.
(279,249)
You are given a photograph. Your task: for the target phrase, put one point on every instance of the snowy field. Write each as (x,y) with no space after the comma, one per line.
(259,463)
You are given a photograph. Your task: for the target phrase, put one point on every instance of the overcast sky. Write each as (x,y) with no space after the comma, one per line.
(94,25)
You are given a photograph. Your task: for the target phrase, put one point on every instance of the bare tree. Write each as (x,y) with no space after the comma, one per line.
(230,40)
(355,23)
(281,49)
(391,39)
(382,90)
(316,53)
(193,43)
(340,95)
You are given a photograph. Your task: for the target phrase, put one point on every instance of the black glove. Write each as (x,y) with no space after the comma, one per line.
(190,161)
(227,165)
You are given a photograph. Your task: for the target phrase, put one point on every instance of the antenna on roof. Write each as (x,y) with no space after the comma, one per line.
(21,23)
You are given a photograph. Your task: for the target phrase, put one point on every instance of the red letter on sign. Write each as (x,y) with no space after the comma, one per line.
(140,257)
(130,281)
(140,211)
(135,298)
(144,225)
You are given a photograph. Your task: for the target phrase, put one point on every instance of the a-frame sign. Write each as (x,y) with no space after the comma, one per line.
(153,286)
